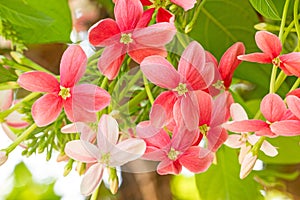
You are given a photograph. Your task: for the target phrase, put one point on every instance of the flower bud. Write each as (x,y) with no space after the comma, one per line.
(3,157)
(247,164)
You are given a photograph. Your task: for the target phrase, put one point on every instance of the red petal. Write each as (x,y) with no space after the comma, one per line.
(167,100)
(146,2)
(295,92)
(38,82)
(139,52)
(190,111)
(164,15)
(256,57)
(251,125)
(205,103)
(216,136)
(169,167)
(104,33)
(46,109)
(146,18)
(291,63)
(72,66)
(273,107)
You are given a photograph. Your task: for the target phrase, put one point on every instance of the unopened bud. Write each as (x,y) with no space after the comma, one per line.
(17,56)
(68,167)
(247,164)
(114,185)
(3,157)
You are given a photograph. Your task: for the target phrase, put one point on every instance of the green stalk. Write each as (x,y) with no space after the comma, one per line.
(296,85)
(148,91)
(296,20)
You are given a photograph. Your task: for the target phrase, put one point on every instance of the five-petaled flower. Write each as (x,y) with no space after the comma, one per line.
(80,102)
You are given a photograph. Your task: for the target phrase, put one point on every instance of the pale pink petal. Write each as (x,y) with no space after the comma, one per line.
(251,125)
(126,151)
(185,4)
(237,112)
(6,97)
(168,166)
(145,129)
(158,116)
(128,13)
(82,151)
(182,139)
(157,68)
(190,111)
(229,62)
(38,82)
(272,107)
(104,33)
(256,57)
(15,120)
(108,133)
(243,152)
(234,141)
(268,43)
(268,149)
(154,154)
(294,105)
(167,100)
(92,179)
(216,136)
(291,63)
(90,97)
(11,135)
(156,35)
(72,66)
(111,60)
(247,165)
(138,52)
(164,15)
(77,113)
(286,127)
(196,159)
(76,127)
(46,109)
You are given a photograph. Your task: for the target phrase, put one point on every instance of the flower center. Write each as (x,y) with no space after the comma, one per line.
(126,38)
(276,61)
(181,89)
(204,129)
(64,92)
(219,85)
(173,154)
(105,159)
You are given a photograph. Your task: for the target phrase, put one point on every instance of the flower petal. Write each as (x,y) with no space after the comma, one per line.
(154,154)
(46,109)
(205,103)
(146,18)
(286,127)
(268,43)
(251,125)
(145,129)
(256,57)
(294,105)
(190,111)
(38,82)
(108,133)
(126,151)
(168,166)
(138,52)
(216,136)
(156,35)
(295,92)
(164,15)
(273,107)
(72,66)
(291,62)
(92,179)
(111,60)
(158,116)
(196,159)
(90,97)
(229,62)
(104,33)
(237,112)
(268,149)
(128,13)
(15,120)
(6,97)
(234,141)
(186,4)
(157,68)
(82,151)
(247,165)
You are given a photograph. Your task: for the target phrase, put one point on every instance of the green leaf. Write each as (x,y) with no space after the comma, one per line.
(288,151)
(266,8)
(222,182)
(7,75)
(36,22)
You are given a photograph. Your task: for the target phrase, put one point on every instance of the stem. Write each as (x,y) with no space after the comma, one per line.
(273,78)
(9,85)
(104,82)
(257,146)
(22,137)
(296,85)
(18,105)
(190,25)
(284,14)
(148,91)
(280,79)
(296,20)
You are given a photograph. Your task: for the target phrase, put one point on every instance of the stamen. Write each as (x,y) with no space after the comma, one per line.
(181,89)
(64,92)
(126,38)
(173,154)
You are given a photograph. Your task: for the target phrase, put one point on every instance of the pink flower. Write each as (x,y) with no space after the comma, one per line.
(272,108)
(86,132)
(6,99)
(185,4)
(176,152)
(245,141)
(271,48)
(129,34)
(290,127)
(247,164)
(193,74)
(108,152)
(80,102)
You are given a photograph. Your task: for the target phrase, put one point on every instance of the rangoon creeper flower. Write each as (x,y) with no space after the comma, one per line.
(86,132)
(271,48)
(245,141)
(176,152)
(80,102)
(193,74)
(108,152)
(129,34)
(289,127)
(273,109)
